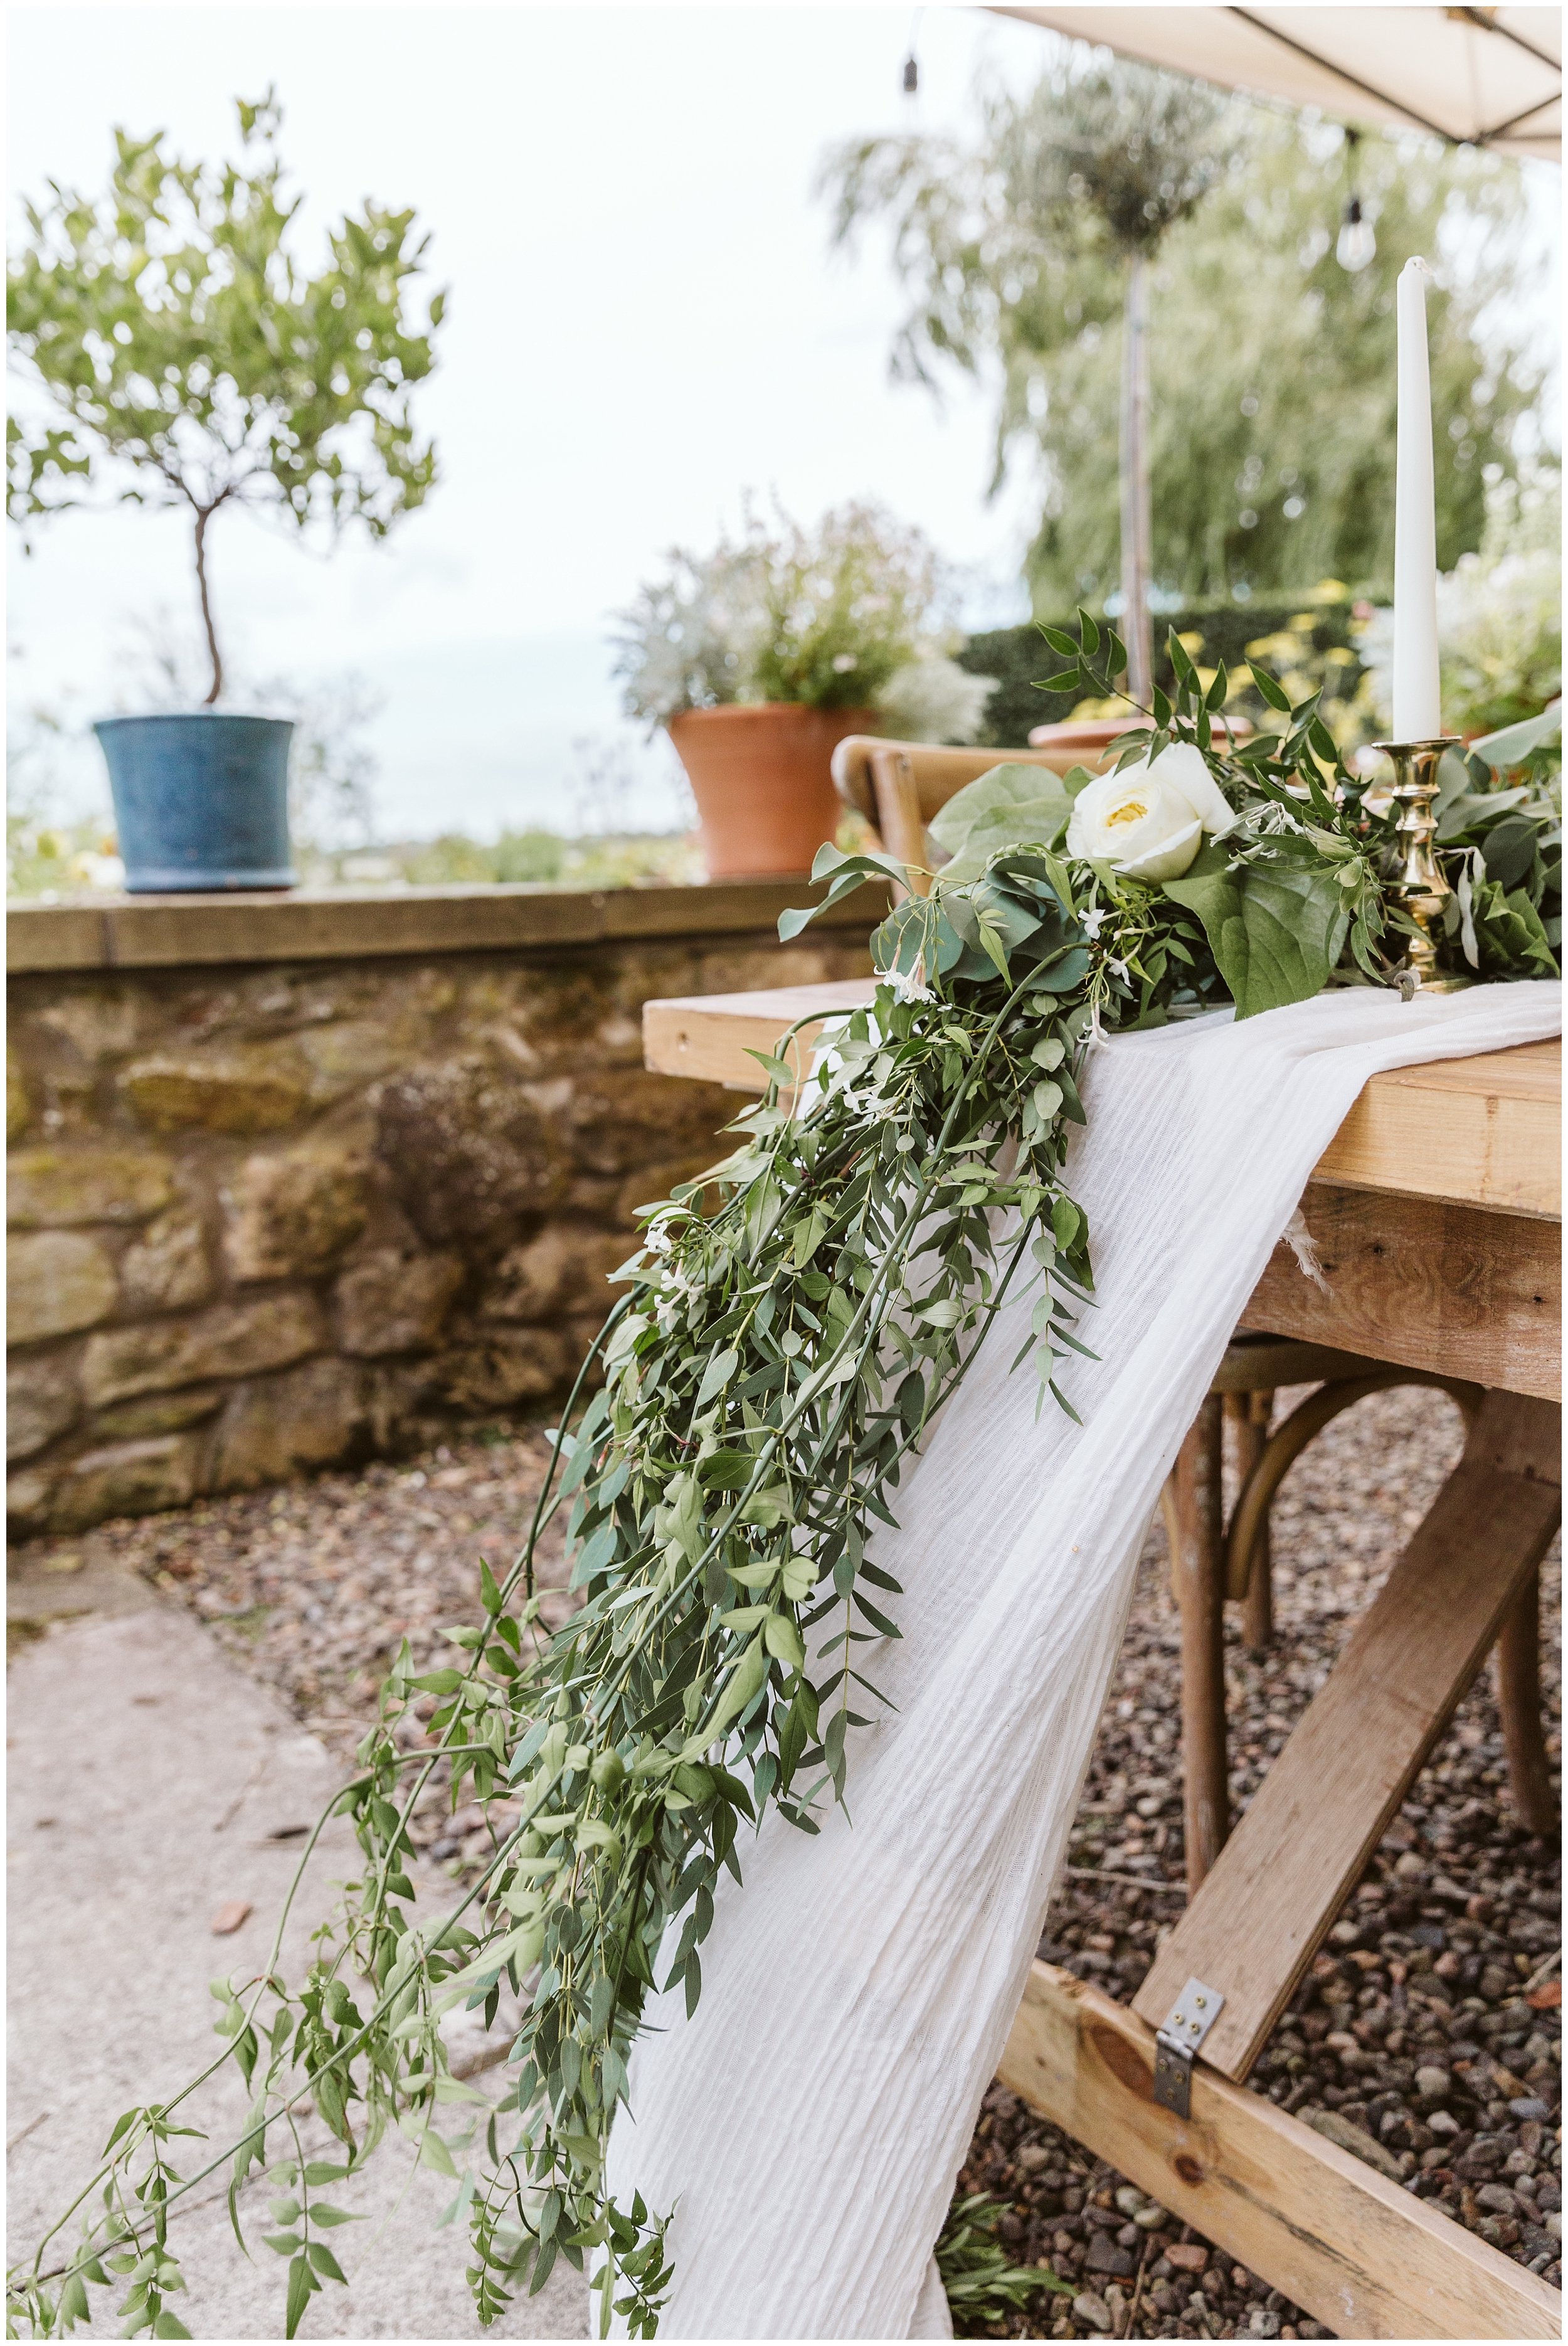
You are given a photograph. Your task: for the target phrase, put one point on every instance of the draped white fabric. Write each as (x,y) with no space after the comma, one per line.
(808,2122)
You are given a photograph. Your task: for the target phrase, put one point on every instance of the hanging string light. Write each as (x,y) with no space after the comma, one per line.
(911,63)
(1357,244)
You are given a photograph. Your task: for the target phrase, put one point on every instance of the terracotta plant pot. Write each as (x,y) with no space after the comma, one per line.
(763,785)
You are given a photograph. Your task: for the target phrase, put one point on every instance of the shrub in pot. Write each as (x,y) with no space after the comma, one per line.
(179,345)
(763,656)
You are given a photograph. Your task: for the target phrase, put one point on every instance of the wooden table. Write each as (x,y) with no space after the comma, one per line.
(1437,1213)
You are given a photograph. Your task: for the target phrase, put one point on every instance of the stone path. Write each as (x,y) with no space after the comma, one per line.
(151,1784)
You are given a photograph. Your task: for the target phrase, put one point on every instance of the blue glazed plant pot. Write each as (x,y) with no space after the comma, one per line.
(201,802)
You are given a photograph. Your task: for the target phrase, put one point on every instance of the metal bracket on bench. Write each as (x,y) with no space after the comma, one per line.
(1179,2037)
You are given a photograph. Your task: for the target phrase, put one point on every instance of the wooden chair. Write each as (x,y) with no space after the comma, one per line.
(898,787)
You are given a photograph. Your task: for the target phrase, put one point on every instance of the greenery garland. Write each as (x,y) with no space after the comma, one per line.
(790,1327)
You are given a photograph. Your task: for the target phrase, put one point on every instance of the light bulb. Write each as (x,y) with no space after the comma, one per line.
(1357,245)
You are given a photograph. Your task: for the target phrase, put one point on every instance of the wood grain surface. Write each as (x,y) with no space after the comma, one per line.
(1460,1289)
(1482,1131)
(1486,1131)
(1362,2256)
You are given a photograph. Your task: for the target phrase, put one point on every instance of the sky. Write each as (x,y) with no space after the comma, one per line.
(645,321)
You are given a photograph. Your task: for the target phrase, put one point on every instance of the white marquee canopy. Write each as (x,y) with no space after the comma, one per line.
(1491,77)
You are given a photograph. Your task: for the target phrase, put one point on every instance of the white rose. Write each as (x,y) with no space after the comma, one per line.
(1149,820)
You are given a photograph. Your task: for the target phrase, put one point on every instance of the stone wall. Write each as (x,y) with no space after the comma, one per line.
(294,1180)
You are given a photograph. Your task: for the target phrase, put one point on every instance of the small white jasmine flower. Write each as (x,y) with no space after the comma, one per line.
(1119,968)
(910,984)
(1093,920)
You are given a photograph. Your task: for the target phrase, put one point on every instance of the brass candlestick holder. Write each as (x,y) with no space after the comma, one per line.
(1420,888)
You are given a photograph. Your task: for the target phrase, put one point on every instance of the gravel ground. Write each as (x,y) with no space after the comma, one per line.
(1426,2036)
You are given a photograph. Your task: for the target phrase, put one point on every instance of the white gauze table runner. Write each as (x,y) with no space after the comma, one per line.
(808,2123)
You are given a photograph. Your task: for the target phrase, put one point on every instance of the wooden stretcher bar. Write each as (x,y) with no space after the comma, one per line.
(1359,2253)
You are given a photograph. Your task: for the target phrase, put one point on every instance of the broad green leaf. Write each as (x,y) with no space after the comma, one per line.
(1007,807)
(1275,929)
(1514,743)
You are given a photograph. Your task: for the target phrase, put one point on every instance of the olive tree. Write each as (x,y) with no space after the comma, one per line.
(186,357)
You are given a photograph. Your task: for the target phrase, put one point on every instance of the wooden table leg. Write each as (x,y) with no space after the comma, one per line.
(1519,1700)
(1326,1802)
(1249,1414)
(1197,1571)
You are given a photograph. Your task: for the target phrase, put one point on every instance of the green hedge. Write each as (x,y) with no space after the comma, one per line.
(1016,657)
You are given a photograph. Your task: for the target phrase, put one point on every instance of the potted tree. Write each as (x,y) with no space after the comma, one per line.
(763,656)
(185,358)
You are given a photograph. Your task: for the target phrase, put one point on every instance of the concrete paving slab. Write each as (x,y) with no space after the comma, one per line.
(151,1784)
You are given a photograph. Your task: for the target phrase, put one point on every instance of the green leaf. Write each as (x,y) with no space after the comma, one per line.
(1275,929)
(749,1673)
(303,2287)
(1274,694)
(778,1070)
(782,1639)
(716,1375)
(726,1470)
(1006,807)
(1515,743)
(432,2150)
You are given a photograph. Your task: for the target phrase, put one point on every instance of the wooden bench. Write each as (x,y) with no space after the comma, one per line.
(1437,1214)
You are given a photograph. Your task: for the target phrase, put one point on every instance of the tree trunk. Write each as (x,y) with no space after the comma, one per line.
(202,518)
(1136,524)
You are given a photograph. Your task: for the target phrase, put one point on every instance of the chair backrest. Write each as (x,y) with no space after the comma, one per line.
(898,786)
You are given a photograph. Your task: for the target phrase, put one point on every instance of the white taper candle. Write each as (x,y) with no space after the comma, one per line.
(1417,694)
